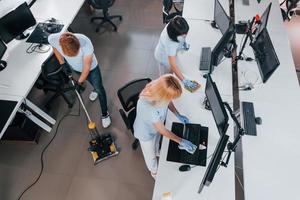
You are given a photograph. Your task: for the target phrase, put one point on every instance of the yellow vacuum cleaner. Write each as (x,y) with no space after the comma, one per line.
(101,146)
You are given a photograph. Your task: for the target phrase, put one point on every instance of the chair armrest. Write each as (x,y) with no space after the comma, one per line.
(124,117)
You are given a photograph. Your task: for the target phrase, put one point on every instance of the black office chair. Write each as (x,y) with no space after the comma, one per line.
(167,14)
(54,79)
(104,5)
(289,10)
(128,96)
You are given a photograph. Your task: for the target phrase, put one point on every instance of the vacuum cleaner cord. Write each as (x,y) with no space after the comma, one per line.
(44,150)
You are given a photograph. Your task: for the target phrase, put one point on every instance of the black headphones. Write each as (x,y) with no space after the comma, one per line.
(3,65)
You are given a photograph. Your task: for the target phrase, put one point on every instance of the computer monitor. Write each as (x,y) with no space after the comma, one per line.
(263,20)
(16,22)
(223,48)
(216,105)
(2,49)
(220,17)
(265,55)
(214,163)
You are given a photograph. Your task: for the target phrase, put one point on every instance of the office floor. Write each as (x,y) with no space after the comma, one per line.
(69,173)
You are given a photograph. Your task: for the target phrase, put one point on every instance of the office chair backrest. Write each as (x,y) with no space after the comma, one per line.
(129,94)
(52,72)
(100,4)
(167,5)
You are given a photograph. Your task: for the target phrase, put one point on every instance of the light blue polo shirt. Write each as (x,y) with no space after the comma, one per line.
(86,49)
(166,47)
(146,116)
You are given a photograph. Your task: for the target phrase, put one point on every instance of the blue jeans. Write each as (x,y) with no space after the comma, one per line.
(95,80)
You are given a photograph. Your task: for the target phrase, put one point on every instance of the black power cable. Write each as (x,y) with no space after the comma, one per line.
(45,148)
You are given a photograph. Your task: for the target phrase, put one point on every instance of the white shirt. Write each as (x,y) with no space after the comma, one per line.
(86,49)
(166,47)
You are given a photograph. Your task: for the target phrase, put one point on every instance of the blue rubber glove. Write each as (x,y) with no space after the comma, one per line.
(182,118)
(189,84)
(187,146)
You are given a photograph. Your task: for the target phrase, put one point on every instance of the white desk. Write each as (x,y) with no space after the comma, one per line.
(184,185)
(202,9)
(23,69)
(272,158)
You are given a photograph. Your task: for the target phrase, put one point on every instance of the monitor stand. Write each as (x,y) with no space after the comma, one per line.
(214,24)
(22,36)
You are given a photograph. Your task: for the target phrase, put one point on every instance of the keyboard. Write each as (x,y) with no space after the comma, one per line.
(194,133)
(205,59)
(40,34)
(249,118)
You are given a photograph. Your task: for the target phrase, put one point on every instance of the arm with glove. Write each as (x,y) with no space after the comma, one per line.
(183,119)
(182,143)
(188,84)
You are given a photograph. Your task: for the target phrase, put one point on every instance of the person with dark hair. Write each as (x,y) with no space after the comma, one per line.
(77,51)
(172,40)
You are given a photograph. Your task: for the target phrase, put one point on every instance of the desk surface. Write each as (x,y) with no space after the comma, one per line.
(184,185)
(23,69)
(202,9)
(271,159)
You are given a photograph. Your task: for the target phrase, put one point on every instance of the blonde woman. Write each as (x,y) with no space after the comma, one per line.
(152,107)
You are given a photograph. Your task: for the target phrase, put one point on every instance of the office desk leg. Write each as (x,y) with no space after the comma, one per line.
(31,113)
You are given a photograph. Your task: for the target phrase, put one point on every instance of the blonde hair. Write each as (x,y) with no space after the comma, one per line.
(163,89)
(69,43)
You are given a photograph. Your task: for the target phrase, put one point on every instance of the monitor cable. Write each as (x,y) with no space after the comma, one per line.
(38,48)
(46,147)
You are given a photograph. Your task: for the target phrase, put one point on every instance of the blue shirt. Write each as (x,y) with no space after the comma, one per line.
(166,47)
(86,49)
(146,115)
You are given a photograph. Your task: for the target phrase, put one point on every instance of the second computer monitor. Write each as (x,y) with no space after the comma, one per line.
(223,47)
(220,17)
(216,105)
(265,55)
(214,163)
(263,20)
(16,22)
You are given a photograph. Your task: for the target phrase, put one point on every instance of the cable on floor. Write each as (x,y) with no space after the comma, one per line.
(45,148)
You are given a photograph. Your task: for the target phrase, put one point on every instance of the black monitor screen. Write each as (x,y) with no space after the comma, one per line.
(216,105)
(265,55)
(2,48)
(223,46)
(214,162)
(263,20)
(16,22)
(220,17)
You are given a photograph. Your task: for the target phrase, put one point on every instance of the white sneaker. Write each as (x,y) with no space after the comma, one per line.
(106,121)
(93,96)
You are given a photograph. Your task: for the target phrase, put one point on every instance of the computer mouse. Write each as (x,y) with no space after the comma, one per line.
(184,168)
(258,120)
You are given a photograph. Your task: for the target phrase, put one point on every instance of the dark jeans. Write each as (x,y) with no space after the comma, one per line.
(95,80)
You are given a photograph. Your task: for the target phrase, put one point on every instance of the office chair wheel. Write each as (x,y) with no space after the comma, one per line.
(97,30)
(135,144)
(120,18)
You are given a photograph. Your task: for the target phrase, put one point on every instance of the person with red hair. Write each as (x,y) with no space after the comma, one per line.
(77,51)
